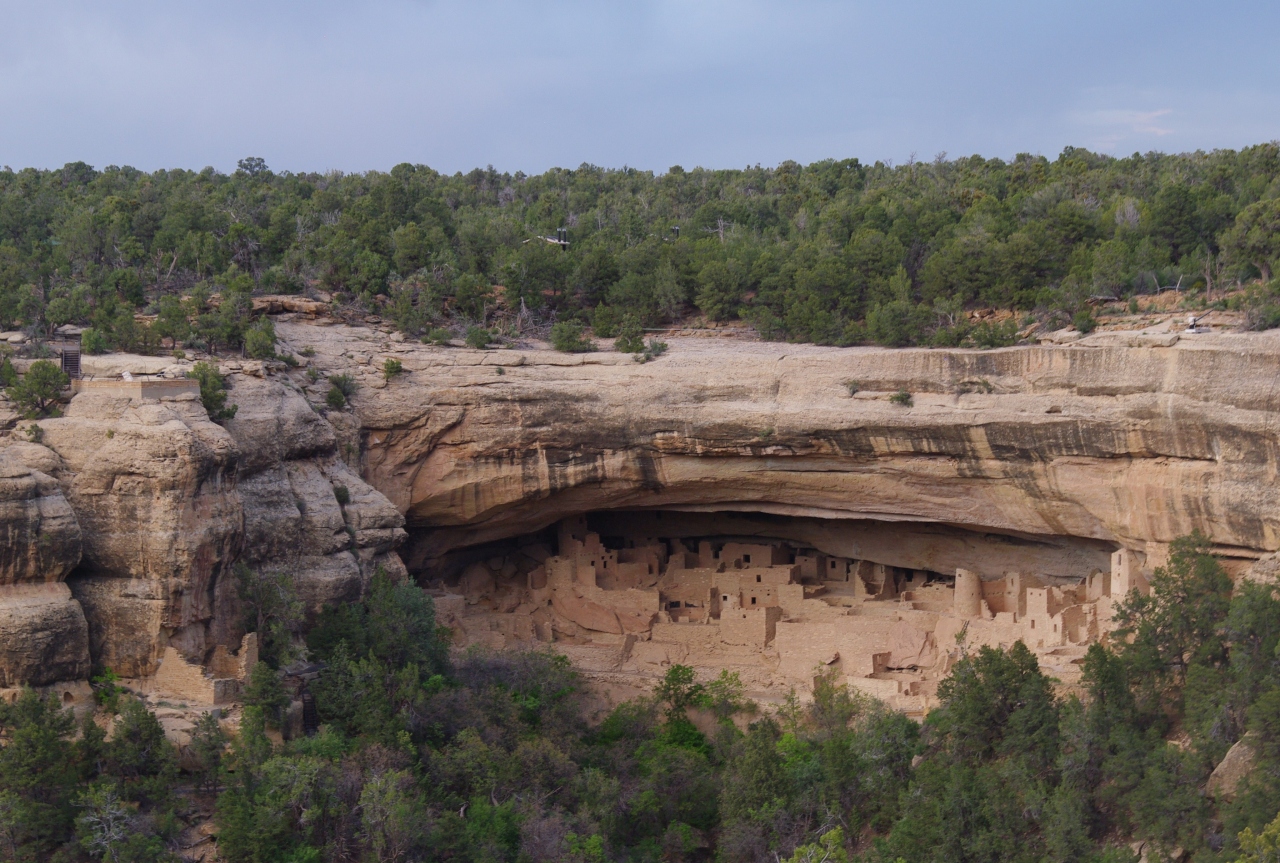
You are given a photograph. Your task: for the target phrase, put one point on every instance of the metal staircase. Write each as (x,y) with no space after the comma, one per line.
(71,362)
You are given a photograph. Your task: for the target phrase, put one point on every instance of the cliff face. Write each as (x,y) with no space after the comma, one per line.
(291,479)
(1124,439)
(153,487)
(43,634)
(125,523)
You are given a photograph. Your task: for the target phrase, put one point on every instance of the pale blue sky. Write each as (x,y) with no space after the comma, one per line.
(528,86)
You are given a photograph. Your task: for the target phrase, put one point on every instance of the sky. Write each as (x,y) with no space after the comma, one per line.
(527,86)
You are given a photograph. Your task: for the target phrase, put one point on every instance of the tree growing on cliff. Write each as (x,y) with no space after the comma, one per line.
(341,389)
(8,374)
(260,339)
(272,609)
(139,756)
(213,391)
(208,743)
(39,390)
(38,776)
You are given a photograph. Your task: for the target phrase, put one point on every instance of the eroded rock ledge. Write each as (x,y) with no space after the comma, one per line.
(1129,443)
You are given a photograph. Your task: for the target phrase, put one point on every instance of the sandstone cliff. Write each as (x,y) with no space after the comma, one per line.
(1121,439)
(43,634)
(125,521)
(124,524)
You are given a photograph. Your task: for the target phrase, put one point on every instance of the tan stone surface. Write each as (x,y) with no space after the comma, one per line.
(143,505)
(1231,771)
(1095,439)
(290,475)
(39,534)
(43,635)
(153,487)
(1050,457)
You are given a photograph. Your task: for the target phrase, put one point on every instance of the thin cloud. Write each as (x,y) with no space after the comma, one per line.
(1108,128)
(1137,122)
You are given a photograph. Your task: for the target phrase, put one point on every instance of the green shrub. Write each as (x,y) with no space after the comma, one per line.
(138,755)
(1261,306)
(335,399)
(8,374)
(92,341)
(344,384)
(265,691)
(260,340)
(106,690)
(1084,321)
(605,321)
(342,495)
(896,324)
(630,337)
(567,336)
(391,368)
(307,351)
(988,335)
(478,338)
(39,389)
(651,351)
(655,349)
(902,398)
(213,391)
(437,336)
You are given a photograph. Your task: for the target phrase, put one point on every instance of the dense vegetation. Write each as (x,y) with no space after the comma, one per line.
(424,755)
(836,252)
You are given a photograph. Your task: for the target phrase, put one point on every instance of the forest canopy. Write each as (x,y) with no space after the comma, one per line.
(835,252)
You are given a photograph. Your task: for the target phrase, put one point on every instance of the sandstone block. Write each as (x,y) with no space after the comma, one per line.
(1231,771)
(40,539)
(43,635)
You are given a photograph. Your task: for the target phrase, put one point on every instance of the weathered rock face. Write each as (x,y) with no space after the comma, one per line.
(153,486)
(305,510)
(39,534)
(1061,453)
(43,634)
(1111,439)
(144,507)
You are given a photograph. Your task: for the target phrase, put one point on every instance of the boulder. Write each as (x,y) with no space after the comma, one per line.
(43,635)
(1232,769)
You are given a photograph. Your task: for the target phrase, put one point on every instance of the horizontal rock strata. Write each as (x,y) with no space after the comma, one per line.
(1104,439)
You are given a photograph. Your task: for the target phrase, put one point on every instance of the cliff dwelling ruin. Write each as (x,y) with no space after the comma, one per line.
(737,508)
(887,606)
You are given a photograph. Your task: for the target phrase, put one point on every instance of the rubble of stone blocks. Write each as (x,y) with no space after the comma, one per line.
(774,613)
